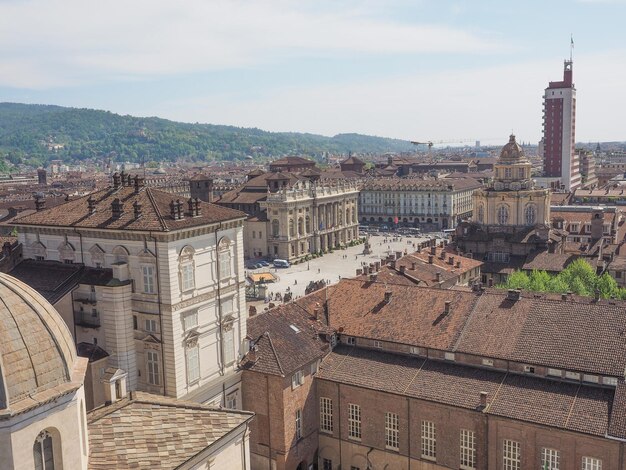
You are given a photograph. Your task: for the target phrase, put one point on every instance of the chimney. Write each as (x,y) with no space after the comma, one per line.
(116,180)
(179,209)
(40,202)
(137,184)
(413,266)
(442,256)
(483,400)
(439,277)
(402,269)
(433,250)
(458,264)
(6,249)
(91,205)
(190,207)
(252,311)
(117,208)
(513,295)
(451,260)
(317,311)
(387,296)
(431,259)
(122,178)
(196,205)
(446,307)
(137,209)
(373,277)
(490,282)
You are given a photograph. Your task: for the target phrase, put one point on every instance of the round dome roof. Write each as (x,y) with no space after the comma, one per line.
(512,152)
(37,351)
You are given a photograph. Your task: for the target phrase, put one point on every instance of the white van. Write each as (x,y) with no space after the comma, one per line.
(281,263)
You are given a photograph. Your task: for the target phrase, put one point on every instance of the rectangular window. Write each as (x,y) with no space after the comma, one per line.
(429,443)
(555,372)
(229,346)
(511,455)
(488,362)
(391,431)
(148,279)
(298,424)
(193,364)
(231,401)
(572,375)
(187,277)
(354,421)
(468,450)
(135,324)
(591,463)
(351,341)
(153,367)
(590,378)
(610,381)
(378,344)
(190,320)
(297,379)
(449,356)
(326,414)
(224,259)
(549,459)
(150,325)
(414,350)
(327,464)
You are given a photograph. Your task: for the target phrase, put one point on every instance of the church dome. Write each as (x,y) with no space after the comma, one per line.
(512,152)
(37,352)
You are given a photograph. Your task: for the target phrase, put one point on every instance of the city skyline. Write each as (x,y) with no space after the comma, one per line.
(411,70)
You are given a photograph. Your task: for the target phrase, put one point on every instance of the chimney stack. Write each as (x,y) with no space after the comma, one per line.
(458,264)
(252,311)
(431,259)
(122,178)
(40,202)
(451,260)
(439,277)
(413,266)
(317,311)
(483,399)
(513,295)
(138,183)
(137,209)
(446,307)
(433,250)
(402,269)
(196,205)
(116,180)
(373,277)
(91,205)
(387,296)
(490,282)
(117,208)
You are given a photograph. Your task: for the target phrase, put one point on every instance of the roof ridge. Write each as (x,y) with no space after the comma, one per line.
(280,366)
(155,206)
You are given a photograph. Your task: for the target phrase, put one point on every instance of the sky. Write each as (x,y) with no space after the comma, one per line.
(441,70)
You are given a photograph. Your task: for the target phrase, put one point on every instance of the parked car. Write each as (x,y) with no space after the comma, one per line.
(264,263)
(281,263)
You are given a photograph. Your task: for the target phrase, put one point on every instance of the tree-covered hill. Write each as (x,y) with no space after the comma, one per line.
(34,134)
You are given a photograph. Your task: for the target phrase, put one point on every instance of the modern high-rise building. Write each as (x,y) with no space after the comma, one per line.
(560,162)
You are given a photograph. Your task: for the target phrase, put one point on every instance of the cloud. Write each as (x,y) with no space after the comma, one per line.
(484,103)
(49,43)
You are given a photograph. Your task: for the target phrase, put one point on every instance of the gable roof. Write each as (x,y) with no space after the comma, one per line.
(155,212)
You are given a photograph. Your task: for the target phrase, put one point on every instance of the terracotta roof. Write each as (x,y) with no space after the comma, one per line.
(413,316)
(427,272)
(416,184)
(148,431)
(579,334)
(583,409)
(286,339)
(155,212)
(545,261)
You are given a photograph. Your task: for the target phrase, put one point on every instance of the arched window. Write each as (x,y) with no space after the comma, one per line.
(300,226)
(348,216)
(275,228)
(42,452)
(503,215)
(186,269)
(481,213)
(292,229)
(121,254)
(307,224)
(530,214)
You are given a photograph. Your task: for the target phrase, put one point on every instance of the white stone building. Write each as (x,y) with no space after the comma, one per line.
(437,202)
(44,424)
(156,283)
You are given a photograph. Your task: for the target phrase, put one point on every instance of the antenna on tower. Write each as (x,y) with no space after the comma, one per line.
(571,47)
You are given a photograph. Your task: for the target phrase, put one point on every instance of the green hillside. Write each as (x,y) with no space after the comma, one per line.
(28,134)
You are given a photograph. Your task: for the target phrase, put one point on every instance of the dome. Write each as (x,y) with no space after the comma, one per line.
(37,352)
(512,152)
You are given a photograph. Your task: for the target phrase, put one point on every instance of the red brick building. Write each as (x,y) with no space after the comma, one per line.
(414,377)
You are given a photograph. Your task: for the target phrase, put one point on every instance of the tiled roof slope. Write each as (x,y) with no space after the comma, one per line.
(578,334)
(155,212)
(531,399)
(281,348)
(413,316)
(148,431)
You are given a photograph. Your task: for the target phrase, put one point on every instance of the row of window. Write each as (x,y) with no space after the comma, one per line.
(511,452)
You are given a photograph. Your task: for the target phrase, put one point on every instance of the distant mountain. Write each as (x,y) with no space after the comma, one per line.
(34,134)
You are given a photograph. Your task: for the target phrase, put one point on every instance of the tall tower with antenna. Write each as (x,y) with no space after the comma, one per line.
(560,162)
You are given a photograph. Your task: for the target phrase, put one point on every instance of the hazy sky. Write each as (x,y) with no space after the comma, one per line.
(426,70)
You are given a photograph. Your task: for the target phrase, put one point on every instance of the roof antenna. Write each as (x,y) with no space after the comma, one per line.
(571,47)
